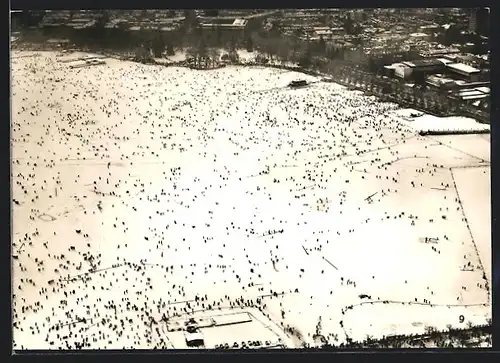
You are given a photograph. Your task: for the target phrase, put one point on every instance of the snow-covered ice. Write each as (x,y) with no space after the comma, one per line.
(143,193)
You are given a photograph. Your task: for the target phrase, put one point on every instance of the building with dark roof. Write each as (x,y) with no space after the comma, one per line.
(421,68)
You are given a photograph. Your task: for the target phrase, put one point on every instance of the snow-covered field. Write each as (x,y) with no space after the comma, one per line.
(141,191)
(423,122)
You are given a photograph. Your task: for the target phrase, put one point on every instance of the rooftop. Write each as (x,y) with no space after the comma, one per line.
(474,97)
(240,22)
(471,92)
(439,79)
(463,68)
(444,60)
(324,32)
(423,63)
(484,89)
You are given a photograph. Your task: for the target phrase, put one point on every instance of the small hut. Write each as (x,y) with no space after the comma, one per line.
(297,83)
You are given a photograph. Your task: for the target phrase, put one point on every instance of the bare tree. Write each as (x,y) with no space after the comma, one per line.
(430,330)
(232,54)
(284,50)
(214,55)
(192,55)
(274,44)
(143,54)
(199,54)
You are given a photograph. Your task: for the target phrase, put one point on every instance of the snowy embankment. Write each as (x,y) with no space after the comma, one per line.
(147,191)
(244,57)
(429,123)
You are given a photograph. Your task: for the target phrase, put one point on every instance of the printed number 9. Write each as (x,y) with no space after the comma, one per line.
(461,318)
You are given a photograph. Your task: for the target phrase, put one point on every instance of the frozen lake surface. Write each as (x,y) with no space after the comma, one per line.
(143,194)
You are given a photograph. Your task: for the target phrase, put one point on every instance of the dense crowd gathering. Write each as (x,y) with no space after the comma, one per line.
(144,193)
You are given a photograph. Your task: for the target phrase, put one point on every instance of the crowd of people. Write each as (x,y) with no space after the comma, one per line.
(144,191)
